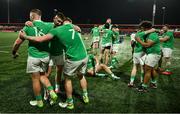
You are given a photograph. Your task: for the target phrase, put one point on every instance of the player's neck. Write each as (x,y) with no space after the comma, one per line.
(37,19)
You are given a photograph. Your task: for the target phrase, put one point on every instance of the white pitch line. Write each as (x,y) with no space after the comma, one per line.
(6,46)
(4,51)
(10,46)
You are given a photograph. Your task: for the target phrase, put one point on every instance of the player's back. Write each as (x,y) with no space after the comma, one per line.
(72,41)
(38,50)
(95,31)
(155,48)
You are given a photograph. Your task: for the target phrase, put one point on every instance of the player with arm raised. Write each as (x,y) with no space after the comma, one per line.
(106,44)
(95,38)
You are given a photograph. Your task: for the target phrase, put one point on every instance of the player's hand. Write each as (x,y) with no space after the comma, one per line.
(153,30)
(137,39)
(15,55)
(77,28)
(29,23)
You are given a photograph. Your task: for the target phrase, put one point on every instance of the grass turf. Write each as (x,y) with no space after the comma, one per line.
(105,95)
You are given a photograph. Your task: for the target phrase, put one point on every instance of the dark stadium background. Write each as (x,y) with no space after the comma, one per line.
(94,11)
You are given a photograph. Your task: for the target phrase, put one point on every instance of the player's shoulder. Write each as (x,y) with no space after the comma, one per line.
(26,28)
(110,31)
(170,33)
(153,35)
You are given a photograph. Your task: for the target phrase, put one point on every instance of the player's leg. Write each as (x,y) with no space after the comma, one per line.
(83,84)
(107,52)
(44,80)
(33,68)
(167,53)
(136,63)
(150,63)
(133,75)
(153,83)
(80,72)
(69,70)
(90,72)
(101,54)
(48,73)
(37,89)
(96,46)
(69,90)
(59,69)
(142,73)
(147,77)
(107,70)
(160,69)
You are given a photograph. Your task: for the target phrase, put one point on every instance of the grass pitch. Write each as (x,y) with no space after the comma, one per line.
(105,95)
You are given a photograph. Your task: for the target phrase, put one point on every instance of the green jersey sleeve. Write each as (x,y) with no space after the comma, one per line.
(53,32)
(25,28)
(140,35)
(153,37)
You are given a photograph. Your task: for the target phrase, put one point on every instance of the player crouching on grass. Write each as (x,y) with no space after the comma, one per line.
(153,51)
(167,40)
(138,54)
(38,57)
(93,67)
(75,62)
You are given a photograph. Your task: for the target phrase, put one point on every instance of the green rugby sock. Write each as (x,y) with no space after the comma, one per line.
(142,77)
(85,93)
(69,100)
(132,79)
(39,97)
(50,88)
(144,85)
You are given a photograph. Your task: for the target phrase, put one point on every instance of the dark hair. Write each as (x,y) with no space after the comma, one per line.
(115,26)
(145,24)
(61,15)
(37,11)
(95,25)
(68,19)
(166,25)
(107,25)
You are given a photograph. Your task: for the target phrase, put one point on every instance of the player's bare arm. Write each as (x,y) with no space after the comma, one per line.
(29,23)
(150,31)
(77,28)
(149,43)
(46,37)
(16,46)
(166,38)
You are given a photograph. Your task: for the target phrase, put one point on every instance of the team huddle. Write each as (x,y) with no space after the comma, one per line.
(60,44)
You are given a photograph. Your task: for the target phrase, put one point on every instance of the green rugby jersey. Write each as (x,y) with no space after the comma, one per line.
(71,40)
(155,48)
(107,36)
(138,47)
(169,43)
(38,50)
